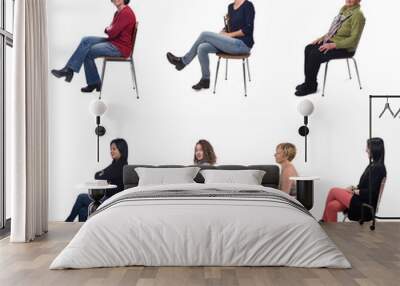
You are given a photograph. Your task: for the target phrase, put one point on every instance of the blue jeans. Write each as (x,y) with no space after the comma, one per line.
(80,208)
(88,50)
(212,43)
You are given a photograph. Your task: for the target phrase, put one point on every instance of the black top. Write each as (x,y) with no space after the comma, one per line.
(370,180)
(113,174)
(242,19)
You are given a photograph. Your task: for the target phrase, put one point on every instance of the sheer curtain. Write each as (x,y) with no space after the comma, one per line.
(28,132)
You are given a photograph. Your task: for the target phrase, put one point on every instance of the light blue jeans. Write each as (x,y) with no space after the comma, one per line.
(88,50)
(212,43)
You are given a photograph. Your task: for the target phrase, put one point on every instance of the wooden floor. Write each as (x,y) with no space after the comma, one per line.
(375,257)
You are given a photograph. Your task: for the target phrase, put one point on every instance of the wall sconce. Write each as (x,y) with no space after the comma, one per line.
(98,108)
(305,108)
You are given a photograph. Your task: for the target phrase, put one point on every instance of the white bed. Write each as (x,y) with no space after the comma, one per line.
(225,225)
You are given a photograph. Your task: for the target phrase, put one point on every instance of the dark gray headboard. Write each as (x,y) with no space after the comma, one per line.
(271,177)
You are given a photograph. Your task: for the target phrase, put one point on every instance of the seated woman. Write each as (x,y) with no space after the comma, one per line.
(236,38)
(352,198)
(204,154)
(284,155)
(339,43)
(117,44)
(113,174)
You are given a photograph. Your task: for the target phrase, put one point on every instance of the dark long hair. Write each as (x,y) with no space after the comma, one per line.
(376,148)
(122,147)
(208,150)
(126,2)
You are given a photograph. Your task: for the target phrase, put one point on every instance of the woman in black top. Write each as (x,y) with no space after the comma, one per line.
(236,38)
(367,191)
(113,174)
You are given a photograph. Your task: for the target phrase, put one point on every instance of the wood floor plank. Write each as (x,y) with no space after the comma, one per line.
(375,259)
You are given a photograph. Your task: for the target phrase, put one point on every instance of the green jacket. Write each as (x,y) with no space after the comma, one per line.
(349,34)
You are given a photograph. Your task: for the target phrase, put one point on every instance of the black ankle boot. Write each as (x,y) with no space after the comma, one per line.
(307,89)
(64,72)
(91,87)
(176,61)
(203,83)
(300,86)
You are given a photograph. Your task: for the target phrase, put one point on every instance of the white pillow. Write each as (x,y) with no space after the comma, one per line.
(166,176)
(248,177)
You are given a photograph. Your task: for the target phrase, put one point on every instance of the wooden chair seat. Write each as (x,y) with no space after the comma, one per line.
(117,59)
(233,57)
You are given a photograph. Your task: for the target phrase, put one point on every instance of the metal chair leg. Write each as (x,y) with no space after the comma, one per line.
(358,74)
(244,78)
(326,73)
(134,78)
(348,68)
(103,70)
(226,70)
(248,68)
(216,75)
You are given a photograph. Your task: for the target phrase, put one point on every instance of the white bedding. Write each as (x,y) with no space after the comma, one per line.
(200,231)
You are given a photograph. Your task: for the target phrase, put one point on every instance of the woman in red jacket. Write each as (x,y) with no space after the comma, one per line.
(117,44)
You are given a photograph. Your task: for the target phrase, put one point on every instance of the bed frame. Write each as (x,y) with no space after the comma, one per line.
(270,179)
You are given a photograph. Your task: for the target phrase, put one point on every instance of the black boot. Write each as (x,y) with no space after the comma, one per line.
(300,86)
(203,83)
(307,89)
(64,72)
(91,87)
(176,61)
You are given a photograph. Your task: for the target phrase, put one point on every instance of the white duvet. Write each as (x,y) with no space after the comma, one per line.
(193,231)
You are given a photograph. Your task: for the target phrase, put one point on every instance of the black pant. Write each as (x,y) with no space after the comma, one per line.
(313,59)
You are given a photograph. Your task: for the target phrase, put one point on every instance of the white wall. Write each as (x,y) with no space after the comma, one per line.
(162,127)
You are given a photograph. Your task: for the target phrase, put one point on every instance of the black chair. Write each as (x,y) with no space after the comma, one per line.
(122,59)
(371,208)
(348,68)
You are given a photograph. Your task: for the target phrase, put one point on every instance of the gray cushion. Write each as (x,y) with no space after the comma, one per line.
(270,179)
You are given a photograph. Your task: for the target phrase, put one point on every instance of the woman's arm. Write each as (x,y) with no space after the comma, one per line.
(287,184)
(109,173)
(248,23)
(357,27)
(122,22)
(377,175)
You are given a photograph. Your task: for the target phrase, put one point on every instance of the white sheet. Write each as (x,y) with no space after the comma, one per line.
(200,232)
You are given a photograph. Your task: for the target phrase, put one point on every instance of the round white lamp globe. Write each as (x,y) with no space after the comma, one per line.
(97,107)
(305,107)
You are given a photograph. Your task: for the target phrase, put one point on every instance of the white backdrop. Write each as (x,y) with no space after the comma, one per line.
(162,127)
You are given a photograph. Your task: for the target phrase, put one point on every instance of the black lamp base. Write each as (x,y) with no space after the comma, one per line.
(304,131)
(100,131)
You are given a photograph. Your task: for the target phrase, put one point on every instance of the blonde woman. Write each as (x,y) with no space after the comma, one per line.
(284,155)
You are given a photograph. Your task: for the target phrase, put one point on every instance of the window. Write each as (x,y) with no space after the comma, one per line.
(6,43)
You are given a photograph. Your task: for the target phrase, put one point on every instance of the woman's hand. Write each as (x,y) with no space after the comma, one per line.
(225,34)
(318,41)
(356,191)
(327,47)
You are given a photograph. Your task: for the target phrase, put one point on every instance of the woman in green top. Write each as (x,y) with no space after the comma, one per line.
(339,43)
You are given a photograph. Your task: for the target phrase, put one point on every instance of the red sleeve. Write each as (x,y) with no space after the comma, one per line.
(123,20)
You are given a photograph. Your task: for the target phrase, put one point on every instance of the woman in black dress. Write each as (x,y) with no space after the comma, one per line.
(367,191)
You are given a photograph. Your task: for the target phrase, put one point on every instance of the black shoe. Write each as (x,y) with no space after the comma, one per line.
(306,89)
(203,83)
(177,62)
(91,87)
(300,86)
(65,72)
(321,221)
